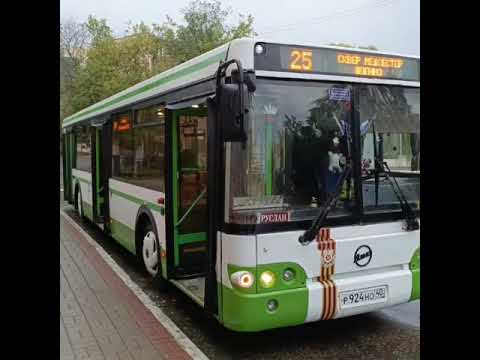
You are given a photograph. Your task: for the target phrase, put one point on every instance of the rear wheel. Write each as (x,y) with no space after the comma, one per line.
(151,256)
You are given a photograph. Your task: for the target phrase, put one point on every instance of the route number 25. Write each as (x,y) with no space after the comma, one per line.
(301,60)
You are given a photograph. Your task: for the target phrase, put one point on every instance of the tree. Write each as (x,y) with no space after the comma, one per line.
(108,65)
(74,40)
(115,64)
(98,30)
(205,28)
(98,67)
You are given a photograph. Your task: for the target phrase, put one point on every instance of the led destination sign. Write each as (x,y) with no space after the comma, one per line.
(276,57)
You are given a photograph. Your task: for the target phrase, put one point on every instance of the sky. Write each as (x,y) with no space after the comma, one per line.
(390,25)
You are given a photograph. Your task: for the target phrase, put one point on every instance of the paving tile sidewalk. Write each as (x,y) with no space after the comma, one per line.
(100,317)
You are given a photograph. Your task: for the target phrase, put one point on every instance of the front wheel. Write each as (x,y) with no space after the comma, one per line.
(151,256)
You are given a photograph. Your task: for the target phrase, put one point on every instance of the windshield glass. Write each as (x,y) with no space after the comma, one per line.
(298,143)
(393,113)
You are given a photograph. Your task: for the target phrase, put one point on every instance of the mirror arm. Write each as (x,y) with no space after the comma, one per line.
(223,67)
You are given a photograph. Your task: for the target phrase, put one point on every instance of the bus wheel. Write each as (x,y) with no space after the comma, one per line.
(151,256)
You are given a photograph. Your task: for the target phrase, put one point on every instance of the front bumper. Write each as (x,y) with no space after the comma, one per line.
(248,312)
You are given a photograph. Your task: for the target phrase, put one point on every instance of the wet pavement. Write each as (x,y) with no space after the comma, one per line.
(100,318)
(392,333)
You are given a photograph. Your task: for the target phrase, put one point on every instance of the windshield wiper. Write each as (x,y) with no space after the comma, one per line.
(410,218)
(308,236)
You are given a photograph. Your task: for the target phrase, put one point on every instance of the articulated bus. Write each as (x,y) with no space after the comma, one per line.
(274,184)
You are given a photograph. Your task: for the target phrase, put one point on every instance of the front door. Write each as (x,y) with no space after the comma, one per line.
(98,177)
(190,190)
(68,160)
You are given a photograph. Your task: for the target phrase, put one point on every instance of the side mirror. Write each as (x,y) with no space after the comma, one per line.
(232,110)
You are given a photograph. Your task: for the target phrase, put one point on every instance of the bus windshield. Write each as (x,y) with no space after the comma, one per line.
(392,114)
(299,137)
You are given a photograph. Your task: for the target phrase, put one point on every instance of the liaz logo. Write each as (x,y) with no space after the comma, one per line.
(362,256)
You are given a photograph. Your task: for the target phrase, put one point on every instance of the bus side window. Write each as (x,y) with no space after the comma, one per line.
(83,150)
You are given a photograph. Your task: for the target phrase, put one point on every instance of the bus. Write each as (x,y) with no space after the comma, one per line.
(274,184)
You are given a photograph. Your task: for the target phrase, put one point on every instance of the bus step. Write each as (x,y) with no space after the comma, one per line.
(182,275)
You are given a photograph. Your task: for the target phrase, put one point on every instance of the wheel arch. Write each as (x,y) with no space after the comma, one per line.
(144,215)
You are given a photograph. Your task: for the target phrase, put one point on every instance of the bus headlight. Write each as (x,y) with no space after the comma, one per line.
(267,279)
(242,279)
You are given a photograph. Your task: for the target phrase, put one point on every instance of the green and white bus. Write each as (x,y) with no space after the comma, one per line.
(274,184)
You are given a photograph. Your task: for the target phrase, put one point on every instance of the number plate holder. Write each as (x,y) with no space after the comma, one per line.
(362,297)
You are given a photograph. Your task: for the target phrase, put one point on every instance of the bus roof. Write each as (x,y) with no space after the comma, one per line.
(196,69)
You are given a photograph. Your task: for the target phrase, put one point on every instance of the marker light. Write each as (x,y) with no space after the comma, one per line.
(267,279)
(258,49)
(288,275)
(272,305)
(243,279)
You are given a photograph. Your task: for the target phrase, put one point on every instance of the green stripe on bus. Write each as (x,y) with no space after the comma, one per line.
(415,269)
(248,312)
(150,86)
(138,201)
(123,234)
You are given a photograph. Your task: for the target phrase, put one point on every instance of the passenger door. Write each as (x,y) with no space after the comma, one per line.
(99,173)
(189,190)
(68,160)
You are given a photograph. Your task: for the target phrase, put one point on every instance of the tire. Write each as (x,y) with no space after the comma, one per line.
(150,256)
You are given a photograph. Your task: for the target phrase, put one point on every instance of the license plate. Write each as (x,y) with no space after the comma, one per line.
(362,297)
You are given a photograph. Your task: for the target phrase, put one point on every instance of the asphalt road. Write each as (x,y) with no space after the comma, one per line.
(393,333)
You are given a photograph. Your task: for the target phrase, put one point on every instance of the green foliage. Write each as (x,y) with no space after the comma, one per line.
(74,38)
(98,30)
(113,65)
(104,65)
(204,29)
